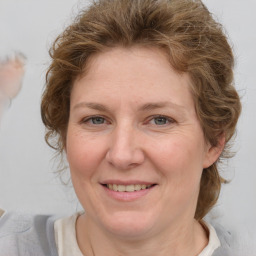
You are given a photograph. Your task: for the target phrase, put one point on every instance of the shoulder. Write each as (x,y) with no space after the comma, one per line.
(65,234)
(23,234)
(236,241)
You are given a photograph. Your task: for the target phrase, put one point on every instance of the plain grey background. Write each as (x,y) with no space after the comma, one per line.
(27,179)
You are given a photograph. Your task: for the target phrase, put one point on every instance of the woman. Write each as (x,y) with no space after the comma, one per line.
(140,98)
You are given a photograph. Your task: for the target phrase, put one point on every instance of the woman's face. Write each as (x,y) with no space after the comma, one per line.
(133,128)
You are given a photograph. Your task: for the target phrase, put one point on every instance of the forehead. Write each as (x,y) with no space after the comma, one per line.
(138,74)
(120,58)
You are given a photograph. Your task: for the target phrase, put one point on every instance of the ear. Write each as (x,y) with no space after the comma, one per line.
(214,152)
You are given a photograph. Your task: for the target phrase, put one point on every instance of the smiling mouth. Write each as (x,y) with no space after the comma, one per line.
(128,188)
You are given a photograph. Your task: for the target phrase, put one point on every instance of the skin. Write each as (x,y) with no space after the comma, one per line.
(11,75)
(146,129)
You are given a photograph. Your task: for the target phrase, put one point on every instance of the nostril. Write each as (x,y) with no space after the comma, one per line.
(125,159)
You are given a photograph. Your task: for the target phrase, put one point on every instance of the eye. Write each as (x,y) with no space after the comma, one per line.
(95,120)
(161,120)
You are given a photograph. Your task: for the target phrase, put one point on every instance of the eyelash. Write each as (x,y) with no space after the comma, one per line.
(89,120)
(168,119)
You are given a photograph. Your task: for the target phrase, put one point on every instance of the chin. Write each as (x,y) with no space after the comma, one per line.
(129,225)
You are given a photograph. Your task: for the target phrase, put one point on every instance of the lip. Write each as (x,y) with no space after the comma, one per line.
(127,196)
(127,182)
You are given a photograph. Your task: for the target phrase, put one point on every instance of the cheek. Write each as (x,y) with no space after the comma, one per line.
(83,153)
(179,162)
(179,158)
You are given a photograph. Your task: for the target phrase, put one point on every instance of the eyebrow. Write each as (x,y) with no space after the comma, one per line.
(145,107)
(158,105)
(91,105)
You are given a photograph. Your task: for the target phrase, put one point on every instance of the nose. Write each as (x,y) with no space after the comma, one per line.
(125,151)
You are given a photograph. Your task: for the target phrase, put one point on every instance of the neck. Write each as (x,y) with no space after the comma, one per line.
(186,239)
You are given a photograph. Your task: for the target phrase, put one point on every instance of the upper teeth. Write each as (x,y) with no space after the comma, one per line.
(127,188)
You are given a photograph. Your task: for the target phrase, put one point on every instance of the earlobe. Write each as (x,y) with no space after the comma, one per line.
(214,152)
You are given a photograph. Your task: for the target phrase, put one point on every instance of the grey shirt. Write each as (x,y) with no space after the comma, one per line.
(27,235)
(33,235)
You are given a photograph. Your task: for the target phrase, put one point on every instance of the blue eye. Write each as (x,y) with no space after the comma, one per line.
(160,120)
(97,120)
(94,120)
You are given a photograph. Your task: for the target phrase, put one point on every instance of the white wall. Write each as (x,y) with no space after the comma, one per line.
(238,200)
(27,181)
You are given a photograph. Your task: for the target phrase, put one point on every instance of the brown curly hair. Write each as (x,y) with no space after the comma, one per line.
(195,43)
